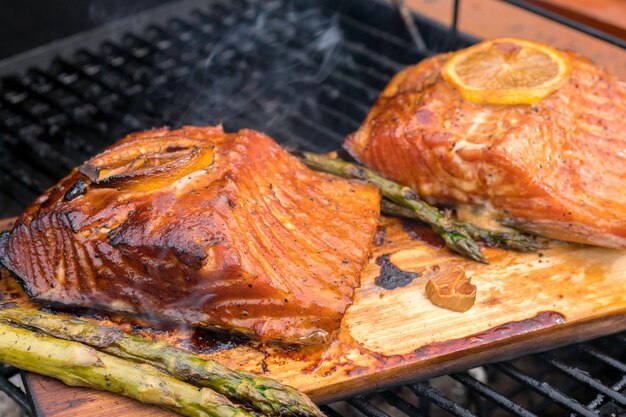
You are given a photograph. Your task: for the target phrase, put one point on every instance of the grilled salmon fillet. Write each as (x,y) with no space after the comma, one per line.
(556,168)
(195,225)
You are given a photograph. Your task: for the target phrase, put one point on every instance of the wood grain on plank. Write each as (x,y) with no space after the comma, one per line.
(50,397)
(525,303)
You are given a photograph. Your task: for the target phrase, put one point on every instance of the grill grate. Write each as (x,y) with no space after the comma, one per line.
(301,74)
(306,73)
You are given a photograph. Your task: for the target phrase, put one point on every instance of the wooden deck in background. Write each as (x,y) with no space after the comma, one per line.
(494,19)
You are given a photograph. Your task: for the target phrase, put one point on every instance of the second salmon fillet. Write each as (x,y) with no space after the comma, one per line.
(556,168)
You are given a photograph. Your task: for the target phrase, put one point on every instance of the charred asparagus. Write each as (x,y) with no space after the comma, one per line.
(262,394)
(511,240)
(456,238)
(402,201)
(80,365)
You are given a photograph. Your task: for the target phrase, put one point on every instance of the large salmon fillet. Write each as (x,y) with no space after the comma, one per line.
(213,229)
(556,168)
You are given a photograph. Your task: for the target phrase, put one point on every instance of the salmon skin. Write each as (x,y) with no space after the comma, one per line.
(195,225)
(556,168)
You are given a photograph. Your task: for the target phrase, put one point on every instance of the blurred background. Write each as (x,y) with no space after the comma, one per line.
(27,24)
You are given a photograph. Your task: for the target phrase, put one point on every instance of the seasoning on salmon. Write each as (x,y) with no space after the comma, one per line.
(556,168)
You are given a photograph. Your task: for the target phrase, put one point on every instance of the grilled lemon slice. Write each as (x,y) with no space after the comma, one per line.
(148,163)
(507,71)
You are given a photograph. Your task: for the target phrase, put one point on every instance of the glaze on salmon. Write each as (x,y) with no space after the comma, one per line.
(213,229)
(556,168)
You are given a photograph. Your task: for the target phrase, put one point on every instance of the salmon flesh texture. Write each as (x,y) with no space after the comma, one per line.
(556,168)
(249,240)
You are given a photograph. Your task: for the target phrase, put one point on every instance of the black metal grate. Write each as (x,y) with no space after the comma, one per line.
(306,73)
(301,72)
(588,379)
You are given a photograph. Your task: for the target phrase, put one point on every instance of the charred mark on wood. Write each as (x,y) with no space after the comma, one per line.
(392,277)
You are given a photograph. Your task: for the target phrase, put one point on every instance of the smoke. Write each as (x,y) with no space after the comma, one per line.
(256,67)
(274,66)
(253,67)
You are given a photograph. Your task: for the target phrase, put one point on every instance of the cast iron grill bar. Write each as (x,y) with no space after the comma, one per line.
(600,398)
(27,179)
(370,93)
(87,122)
(8,202)
(492,395)
(330,412)
(130,121)
(423,389)
(373,60)
(402,51)
(17,192)
(357,86)
(584,378)
(366,407)
(401,404)
(58,107)
(375,78)
(97,110)
(76,152)
(252,116)
(13,391)
(131,83)
(612,362)
(84,73)
(545,390)
(169,77)
(38,150)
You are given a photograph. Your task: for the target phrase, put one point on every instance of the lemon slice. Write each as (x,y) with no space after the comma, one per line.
(146,164)
(507,71)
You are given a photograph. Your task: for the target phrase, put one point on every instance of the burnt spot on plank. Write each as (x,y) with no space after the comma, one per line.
(392,277)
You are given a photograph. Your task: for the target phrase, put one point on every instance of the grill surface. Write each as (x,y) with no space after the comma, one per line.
(306,73)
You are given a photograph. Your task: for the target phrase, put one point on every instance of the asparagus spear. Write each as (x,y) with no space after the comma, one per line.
(263,394)
(456,238)
(80,365)
(511,240)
